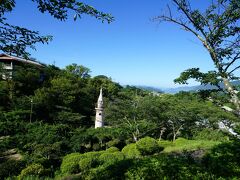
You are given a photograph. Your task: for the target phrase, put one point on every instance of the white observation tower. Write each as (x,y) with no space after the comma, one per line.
(99,121)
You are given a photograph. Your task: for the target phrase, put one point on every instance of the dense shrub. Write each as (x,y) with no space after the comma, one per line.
(108,158)
(87,163)
(184,161)
(164,143)
(182,144)
(116,143)
(131,151)
(112,168)
(8,127)
(11,168)
(210,134)
(89,160)
(35,170)
(223,160)
(70,163)
(148,146)
(163,166)
(112,149)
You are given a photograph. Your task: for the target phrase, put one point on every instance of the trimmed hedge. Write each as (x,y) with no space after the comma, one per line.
(111,158)
(131,151)
(70,163)
(112,149)
(148,146)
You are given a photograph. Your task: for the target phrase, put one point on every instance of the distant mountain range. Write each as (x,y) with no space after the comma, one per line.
(185,88)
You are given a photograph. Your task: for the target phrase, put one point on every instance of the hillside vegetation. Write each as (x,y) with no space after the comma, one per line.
(152,159)
(47,119)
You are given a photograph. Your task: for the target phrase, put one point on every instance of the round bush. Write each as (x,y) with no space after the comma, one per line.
(70,163)
(148,146)
(112,149)
(89,160)
(131,151)
(33,169)
(86,163)
(111,158)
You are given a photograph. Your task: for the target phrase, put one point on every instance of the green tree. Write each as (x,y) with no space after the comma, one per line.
(15,39)
(217,28)
(78,70)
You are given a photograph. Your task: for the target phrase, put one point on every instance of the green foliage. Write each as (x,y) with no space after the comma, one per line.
(220,163)
(70,163)
(112,171)
(28,38)
(190,159)
(112,149)
(5,99)
(12,123)
(162,167)
(63,104)
(49,133)
(18,39)
(182,144)
(108,158)
(27,79)
(60,10)
(33,169)
(211,77)
(64,117)
(148,146)
(76,162)
(79,71)
(10,168)
(131,151)
(97,139)
(213,27)
(164,143)
(89,160)
(87,163)
(113,143)
(212,135)
(223,160)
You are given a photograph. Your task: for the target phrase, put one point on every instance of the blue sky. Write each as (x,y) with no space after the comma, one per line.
(131,50)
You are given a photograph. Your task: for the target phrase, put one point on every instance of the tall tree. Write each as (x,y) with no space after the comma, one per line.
(217,28)
(15,40)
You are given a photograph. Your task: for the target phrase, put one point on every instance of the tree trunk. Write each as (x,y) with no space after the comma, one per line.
(161,133)
(174,136)
(176,133)
(135,138)
(233,93)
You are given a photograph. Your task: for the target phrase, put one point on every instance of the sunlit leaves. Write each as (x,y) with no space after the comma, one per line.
(17,40)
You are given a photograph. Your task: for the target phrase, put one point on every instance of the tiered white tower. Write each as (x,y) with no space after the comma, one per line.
(99,121)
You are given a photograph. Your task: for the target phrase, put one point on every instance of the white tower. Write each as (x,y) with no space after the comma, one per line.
(99,121)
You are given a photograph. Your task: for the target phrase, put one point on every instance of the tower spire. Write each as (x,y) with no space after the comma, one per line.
(99,121)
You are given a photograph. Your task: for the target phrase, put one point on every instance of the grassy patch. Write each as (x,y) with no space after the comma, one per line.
(187,145)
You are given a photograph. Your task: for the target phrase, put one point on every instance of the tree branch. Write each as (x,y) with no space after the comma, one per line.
(233,60)
(185,11)
(234,69)
(170,19)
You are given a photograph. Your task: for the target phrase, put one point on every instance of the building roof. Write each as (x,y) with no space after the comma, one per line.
(18,59)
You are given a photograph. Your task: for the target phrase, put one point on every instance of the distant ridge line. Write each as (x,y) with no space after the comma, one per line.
(185,88)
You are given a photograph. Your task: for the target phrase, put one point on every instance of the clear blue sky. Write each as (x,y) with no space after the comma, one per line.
(131,50)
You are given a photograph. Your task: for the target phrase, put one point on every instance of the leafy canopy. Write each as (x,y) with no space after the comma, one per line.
(15,40)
